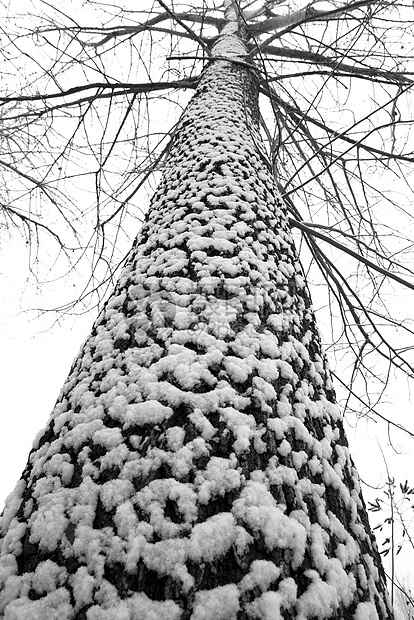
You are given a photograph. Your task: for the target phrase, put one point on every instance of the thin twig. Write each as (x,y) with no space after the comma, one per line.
(352,253)
(186,28)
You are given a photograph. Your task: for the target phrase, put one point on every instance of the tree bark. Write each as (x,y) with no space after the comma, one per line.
(195,465)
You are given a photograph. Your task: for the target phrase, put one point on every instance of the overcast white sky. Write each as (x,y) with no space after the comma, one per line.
(33,367)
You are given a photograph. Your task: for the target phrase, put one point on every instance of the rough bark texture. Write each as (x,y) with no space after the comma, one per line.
(195,465)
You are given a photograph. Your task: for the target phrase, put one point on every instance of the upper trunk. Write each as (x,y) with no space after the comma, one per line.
(195,464)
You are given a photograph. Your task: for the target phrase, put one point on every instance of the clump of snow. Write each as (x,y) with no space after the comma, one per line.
(83,585)
(175,437)
(49,523)
(48,576)
(81,433)
(12,586)
(115,457)
(144,608)
(268,369)
(299,459)
(115,492)
(119,611)
(221,603)
(12,505)
(320,599)
(203,425)
(213,538)
(276,322)
(258,509)
(242,426)
(148,412)
(284,448)
(164,556)
(54,606)
(126,520)
(315,465)
(366,611)
(268,606)
(263,390)
(262,574)
(238,370)
(218,478)
(108,437)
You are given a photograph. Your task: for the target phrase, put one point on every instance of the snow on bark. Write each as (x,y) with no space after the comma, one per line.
(195,465)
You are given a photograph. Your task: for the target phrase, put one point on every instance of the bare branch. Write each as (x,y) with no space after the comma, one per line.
(183,25)
(337,65)
(308,14)
(137,88)
(124,31)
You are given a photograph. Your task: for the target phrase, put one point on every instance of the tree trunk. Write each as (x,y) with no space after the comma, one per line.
(195,465)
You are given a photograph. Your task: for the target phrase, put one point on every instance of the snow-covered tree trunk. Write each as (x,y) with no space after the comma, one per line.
(195,465)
